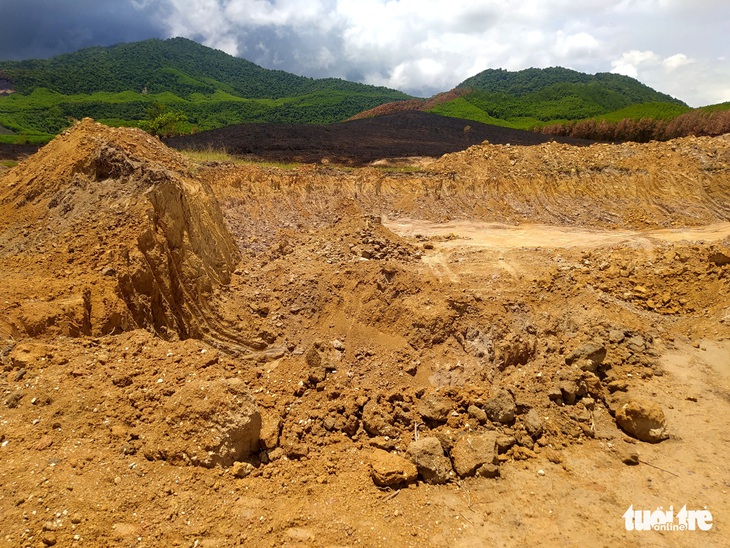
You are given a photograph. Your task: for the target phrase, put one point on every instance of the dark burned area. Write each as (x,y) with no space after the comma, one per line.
(353,143)
(359,142)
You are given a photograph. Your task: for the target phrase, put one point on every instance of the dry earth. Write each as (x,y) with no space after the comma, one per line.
(469,354)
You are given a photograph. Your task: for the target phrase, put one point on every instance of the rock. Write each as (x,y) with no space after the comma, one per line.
(643,420)
(26,355)
(13,400)
(524,440)
(533,424)
(629,455)
(241,469)
(501,408)
(587,356)
(487,471)
(477,413)
(390,470)
(616,336)
(504,443)
(472,451)
(719,258)
(428,456)
(636,344)
(435,408)
(376,421)
(592,384)
(205,423)
(270,429)
(555,394)
(317,371)
(338,345)
(618,386)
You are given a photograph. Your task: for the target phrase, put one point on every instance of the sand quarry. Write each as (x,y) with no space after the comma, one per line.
(504,346)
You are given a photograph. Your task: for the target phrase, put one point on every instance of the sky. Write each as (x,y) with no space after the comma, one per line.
(421,47)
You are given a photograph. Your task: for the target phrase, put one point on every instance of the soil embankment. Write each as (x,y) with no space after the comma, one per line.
(508,346)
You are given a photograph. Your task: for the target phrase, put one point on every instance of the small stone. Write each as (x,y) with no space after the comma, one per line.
(553,455)
(616,336)
(436,408)
(629,455)
(618,386)
(555,394)
(487,471)
(643,420)
(376,421)
(389,470)
(505,443)
(241,469)
(13,400)
(636,344)
(477,413)
(533,424)
(338,345)
(49,538)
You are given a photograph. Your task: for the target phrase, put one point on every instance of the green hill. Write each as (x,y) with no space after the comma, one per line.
(536,96)
(212,89)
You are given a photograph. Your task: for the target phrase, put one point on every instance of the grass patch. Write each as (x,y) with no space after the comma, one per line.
(214,155)
(8,163)
(210,155)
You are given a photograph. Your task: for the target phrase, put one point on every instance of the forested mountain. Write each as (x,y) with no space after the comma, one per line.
(210,88)
(178,86)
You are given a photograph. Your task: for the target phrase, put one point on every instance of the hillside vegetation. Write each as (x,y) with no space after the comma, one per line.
(177,86)
(562,102)
(212,89)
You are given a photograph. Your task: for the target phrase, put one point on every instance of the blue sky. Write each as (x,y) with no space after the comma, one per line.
(419,46)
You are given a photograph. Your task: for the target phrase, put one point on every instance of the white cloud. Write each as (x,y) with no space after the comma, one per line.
(676,61)
(428,46)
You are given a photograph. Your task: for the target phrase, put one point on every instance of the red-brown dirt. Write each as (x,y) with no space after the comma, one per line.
(236,354)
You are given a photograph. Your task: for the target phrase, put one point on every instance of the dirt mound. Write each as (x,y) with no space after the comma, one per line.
(110,223)
(384,358)
(358,142)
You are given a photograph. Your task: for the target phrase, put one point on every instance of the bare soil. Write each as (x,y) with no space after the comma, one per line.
(225,355)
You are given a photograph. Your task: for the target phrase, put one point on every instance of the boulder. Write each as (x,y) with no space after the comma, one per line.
(428,456)
(205,423)
(643,420)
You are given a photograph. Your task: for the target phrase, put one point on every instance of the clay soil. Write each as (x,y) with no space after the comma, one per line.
(222,355)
